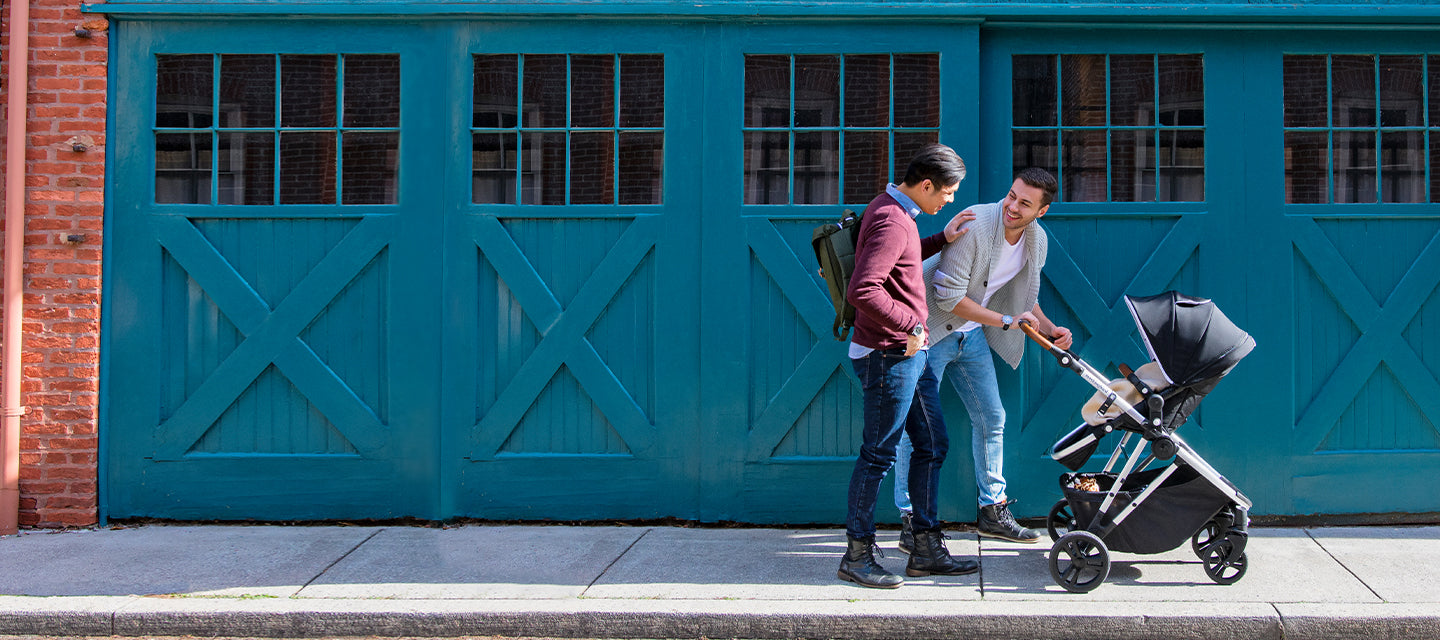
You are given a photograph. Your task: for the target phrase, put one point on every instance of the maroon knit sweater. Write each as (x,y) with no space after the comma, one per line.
(887,287)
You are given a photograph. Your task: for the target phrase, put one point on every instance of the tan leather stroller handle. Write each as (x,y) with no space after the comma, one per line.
(1034,334)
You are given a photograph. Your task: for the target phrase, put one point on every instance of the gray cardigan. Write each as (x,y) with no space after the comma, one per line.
(949,274)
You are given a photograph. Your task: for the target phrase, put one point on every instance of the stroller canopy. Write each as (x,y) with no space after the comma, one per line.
(1188,337)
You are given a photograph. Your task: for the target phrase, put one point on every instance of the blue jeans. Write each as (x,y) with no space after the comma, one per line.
(901,396)
(965,360)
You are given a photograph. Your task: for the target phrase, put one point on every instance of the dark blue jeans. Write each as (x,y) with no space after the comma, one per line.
(901,394)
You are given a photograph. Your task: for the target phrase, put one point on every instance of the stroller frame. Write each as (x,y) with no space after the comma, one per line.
(1079,559)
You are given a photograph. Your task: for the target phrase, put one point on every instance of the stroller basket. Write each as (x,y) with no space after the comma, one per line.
(1174,512)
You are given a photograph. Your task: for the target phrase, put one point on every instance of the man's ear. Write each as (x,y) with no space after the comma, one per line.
(1042,211)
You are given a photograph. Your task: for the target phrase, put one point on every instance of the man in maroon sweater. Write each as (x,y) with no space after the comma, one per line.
(888,351)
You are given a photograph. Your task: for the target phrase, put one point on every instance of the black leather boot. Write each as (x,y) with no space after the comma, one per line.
(930,556)
(859,566)
(907,532)
(996,522)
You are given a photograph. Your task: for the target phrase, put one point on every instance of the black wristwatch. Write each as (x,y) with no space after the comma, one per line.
(1005,322)
(918,331)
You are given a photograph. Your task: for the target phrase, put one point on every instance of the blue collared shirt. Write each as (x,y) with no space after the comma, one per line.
(904,200)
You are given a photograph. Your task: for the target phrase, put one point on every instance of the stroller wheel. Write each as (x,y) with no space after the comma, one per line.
(1220,567)
(1205,537)
(1079,561)
(1061,521)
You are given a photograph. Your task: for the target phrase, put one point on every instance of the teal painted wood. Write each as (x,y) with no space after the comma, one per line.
(438,358)
(1379,12)
(269,359)
(570,380)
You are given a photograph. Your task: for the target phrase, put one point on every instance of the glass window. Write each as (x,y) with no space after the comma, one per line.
(1356,128)
(556,129)
(822,129)
(277,129)
(1116,128)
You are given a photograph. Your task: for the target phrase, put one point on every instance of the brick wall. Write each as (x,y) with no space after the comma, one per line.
(64,221)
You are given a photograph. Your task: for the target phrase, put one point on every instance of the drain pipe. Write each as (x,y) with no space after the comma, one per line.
(18,88)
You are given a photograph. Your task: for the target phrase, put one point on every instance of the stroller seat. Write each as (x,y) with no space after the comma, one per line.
(1098,412)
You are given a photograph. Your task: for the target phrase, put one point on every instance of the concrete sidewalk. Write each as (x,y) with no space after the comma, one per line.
(671,582)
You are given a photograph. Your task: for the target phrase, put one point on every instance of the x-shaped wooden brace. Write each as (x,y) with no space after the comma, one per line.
(819,364)
(1109,327)
(271,337)
(1381,334)
(563,335)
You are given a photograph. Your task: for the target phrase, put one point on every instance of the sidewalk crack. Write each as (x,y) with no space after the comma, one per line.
(1343,566)
(337,561)
(612,562)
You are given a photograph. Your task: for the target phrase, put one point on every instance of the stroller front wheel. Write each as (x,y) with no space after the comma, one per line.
(1061,521)
(1220,566)
(1206,536)
(1079,561)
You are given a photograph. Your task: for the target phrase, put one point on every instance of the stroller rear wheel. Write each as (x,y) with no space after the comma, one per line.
(1061,520)
(1220,566)
(1205,537)
(1079,561)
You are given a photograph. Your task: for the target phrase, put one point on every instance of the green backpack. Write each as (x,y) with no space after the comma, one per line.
(834,244)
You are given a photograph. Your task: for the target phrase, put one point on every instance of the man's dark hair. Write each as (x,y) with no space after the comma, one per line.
(937,163)
(1042,180)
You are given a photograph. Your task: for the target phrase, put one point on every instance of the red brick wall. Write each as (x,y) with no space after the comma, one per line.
(64,221)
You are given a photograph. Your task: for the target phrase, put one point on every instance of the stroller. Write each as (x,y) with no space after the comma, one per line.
(1192,345)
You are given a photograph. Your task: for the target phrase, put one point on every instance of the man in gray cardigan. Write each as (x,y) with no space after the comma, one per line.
(978,288)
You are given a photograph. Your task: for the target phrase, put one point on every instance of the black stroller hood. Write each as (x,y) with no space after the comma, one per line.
(1188,337)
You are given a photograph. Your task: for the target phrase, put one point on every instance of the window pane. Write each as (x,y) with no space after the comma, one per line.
(1182,166)
(817,91)
(307,167)
(1132,91)
(372,91)
(307,92)
(1305,82)
(495,94)
(1182,91)
(1402,166)
(1355,167)
(1402,92)
(545,91)
(182,168)
(767,158)
(917,90)
(1434,165)
(1035,149)
(1033,89)
(1085,164)
(247,168)
(1083,101)
(247,91)
(817,168)
(642,92)
(867,94)
(907,145)
(1306,179)
(493,160)
(592,91)
(642,162)
(1132,174)
(1434,73)
(867,167)
(183,90)
(1353,91)
(767,91)
(370,160)
(592,168)
(542,177)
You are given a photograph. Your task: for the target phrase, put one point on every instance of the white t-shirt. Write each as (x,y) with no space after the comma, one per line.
(1007,266)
